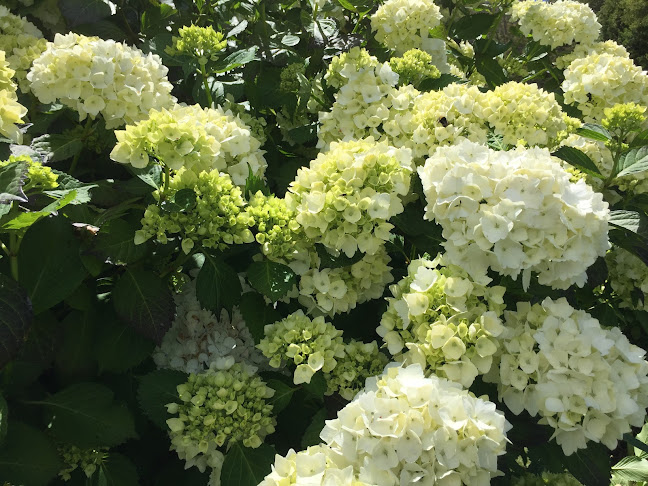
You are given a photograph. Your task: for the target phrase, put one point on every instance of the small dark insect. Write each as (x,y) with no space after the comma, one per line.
(443,121)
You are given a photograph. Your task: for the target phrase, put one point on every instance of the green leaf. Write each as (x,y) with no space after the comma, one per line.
(143,299)
(633,162)
(75,358)
(49,265)
(56,147)
(629,220)
(119,348)
(594,132)
(156,390)
(246,467)
(472,26)
(254,184)
(312,433)
(435,84)
(117,471)
(272,279)
(357,6)
(67,183)
(290,40)
(78,12)
(28,457)
(4,419)
(317,386)
(257,314)
(104,29)
(217,285)
(579,160)
(491,70)
(24,220)
(283,395)
(12,180)
(590,466)
(235,59)
(85,415)
(185,199)
(641,447)
(631,468)
(15,318)
(115,242)
(151,175)
(329,261)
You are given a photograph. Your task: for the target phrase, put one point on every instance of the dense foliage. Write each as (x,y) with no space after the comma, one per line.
(323,242)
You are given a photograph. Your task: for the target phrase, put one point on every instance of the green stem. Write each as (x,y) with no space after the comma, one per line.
(86,131)
(14,246)
(203,71)
(167,177)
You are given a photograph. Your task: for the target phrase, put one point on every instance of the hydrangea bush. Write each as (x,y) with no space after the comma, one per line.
(326,242)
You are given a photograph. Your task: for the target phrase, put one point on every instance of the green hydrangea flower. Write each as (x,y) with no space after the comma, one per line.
(202,43)
(361,360)
(312,345)
(413,67)
(39,176)
(624,118)
(216,220)
(217,408)
(85,459)
(289,82)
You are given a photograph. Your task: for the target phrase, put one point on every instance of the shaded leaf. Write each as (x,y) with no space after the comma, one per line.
(56,147)
(15,318)
(235,59)
(579,160)
(590,466)
(272,279)
(217,285)
(435,84)
(282,396)
(472,26)
(329,261)
(156,390)
(12,180)
(246,467)
(491,70)
(119,348)
(115,242)
(257,314)
(117,471)
(311,435)
(24,220)
(4,419)
(594,132)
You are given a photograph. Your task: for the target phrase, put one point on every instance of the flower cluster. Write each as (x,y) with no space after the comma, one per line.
(608,47)
(586,382)
(86,460)
(360,361)
(312,345)
(524,114)
(404,24)
(514,212)
(216,409)
(198,338)
(275,227)
(289,77)
(257,125)
(217,219)
(348,66)
(192,137)
(556,24)
(344,199)
(597,152)
(11,112)
(22,42)
(628,273)
(553,479)
(440,318)
(39,177)
(202,43)
(331,291)
(405,428)
(624,118)
(599,81)
(95,76)
(413,67)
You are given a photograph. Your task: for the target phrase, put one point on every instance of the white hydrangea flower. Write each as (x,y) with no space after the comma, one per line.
(597,152)
(600,81)
(405,428)
(627,274)
(198,338)
(11,112)
(95,76)
(515,212)
(556,24)
(443,320)
(586,382)
(584,50)
(402,25)
(347,195)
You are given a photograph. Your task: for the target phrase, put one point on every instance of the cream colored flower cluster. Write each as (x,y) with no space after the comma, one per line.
(599,81)
(443,320)
(413,67)
(515,212)
(330,291)
(217,219)
(580,50)
(586,382)
(597,152)
(405,428)
(192,137)
(627,273)
(402,25)
(360,361)
(11,112)
(346,196)
(311,344)
(524,114)
(556,24)
(95,76)
(22,42)
(39,177)
(202,43)
(348,65)
(198,338)
(216,409)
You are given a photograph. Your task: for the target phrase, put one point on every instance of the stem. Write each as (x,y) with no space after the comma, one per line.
(178,262)
(203,71)
(14,245)
(167,177)
(86,131)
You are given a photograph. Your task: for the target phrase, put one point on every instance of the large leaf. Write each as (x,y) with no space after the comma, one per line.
(235,59)
(117,471)
(283,394)
(119,348)
(15,318)
(217,285)
(329,261)
(594,132)
(86,415)
(633,162)
(272,279)
(4,419)
(156,390)
(28,457)
(246,467)
(472,26)
(590,466)
(143,299)
(257,314)
(12,180)
(55,147)
(579,160)
(49,265)
(631,221)
(83,11)
(115,243)
(631,468)
(312,433)
(25,220)
(75,358)
(491,70)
